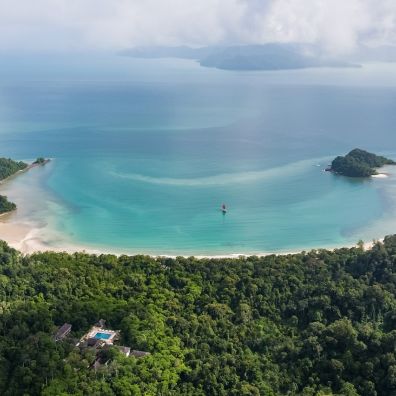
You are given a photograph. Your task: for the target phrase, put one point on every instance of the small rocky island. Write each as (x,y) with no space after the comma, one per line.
(8,168)
(40,161)
(358,163)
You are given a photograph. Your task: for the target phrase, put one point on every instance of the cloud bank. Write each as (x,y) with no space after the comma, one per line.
(337,26)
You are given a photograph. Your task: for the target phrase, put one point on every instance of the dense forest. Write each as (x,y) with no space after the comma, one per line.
(315,323)
(8,167)
(359,163)
(6,205)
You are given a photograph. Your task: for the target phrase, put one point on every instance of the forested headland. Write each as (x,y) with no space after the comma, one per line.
(8,167)
(6,205)
(315,323)
(359,163)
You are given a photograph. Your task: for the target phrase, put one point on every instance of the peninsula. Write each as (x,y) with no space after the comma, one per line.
(358,163)
(8,168)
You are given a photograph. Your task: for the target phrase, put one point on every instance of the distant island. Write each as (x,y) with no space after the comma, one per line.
(359,163)
(8,168)
(271,56)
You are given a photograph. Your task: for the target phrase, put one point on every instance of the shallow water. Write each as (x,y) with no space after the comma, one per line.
(145,152)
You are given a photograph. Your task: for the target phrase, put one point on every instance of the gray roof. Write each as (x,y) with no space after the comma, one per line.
(101,323)
(93,341)
(139,353)
(124,349)
(63,330)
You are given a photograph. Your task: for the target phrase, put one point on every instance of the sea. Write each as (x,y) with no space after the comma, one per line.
(145,151)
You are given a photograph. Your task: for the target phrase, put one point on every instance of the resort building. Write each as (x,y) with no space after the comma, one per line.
(96,334)
(139,354)
(100,339)
(63,331)
(94,343)
(101,323)
(125,350)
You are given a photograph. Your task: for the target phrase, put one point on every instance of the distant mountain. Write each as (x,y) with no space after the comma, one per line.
(265,57)
(243,57)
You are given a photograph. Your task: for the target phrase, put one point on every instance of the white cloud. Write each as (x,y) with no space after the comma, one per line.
(336,25)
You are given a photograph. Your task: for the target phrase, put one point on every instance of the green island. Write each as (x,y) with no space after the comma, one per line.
(359,163)
(314,323)
(40,161)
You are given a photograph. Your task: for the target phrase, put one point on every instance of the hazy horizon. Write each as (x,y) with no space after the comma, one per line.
(337,28)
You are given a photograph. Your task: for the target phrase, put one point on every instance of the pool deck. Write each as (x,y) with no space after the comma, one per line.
(113,335)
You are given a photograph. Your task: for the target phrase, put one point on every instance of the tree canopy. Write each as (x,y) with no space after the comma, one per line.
(8,167)
(315,323)
(6,205)
(359,163)
(40,161)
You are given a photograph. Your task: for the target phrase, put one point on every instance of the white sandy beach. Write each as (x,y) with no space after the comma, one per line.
(380,176)
(28,240)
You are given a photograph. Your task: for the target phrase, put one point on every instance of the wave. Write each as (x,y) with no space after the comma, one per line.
(223,178)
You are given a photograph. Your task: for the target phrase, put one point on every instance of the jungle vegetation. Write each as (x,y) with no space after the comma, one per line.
(315,323)
(359,163)
(6,205)
(8,167)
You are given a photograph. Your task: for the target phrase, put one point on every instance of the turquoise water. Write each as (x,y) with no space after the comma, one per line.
(102,336)
(145,152)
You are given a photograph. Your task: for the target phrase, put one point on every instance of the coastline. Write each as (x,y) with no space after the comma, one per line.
(30,234)
(21,171)
(27,240)
(380,176)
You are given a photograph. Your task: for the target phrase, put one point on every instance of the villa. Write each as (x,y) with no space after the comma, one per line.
(63,331)
(99,335)
(100,338)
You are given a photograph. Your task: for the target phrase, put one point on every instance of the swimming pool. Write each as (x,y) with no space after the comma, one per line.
(102,336)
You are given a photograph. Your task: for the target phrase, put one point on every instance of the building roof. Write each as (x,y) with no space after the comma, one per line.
(63,330)
(93,341)
(125,350)
(139,353)
(101,323)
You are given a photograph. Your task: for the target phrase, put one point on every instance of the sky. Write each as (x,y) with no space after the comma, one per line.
(336,26)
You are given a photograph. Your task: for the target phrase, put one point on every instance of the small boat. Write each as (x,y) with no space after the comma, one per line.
(223,208)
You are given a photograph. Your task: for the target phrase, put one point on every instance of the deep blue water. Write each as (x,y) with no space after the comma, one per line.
(145,152)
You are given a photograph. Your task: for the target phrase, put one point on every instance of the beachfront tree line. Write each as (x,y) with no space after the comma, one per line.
(317,323)
(6,205)
(8,167)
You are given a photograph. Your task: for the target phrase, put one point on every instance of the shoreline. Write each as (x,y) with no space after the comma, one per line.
(380,176)
(28,168)
(26,239)
(18,173)
(29,237)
